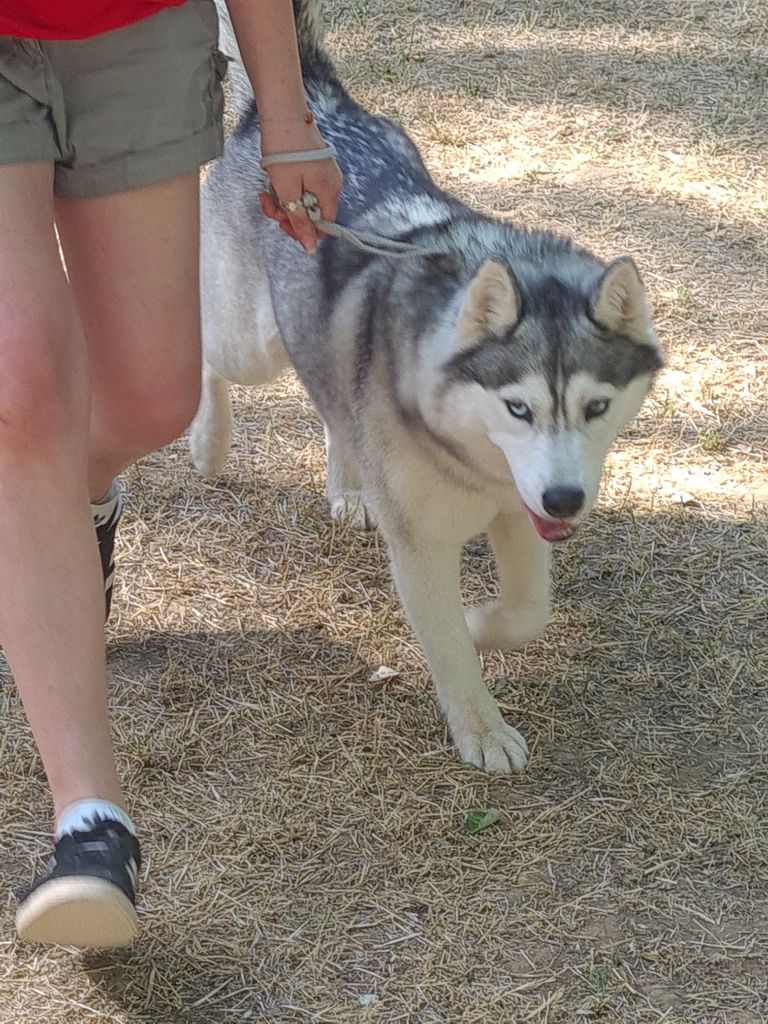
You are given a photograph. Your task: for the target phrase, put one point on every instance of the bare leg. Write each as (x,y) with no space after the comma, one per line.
(52,599)
(522,609)
(132,259)
(427,579)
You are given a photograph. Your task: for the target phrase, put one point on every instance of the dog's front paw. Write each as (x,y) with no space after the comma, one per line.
(485,740)
(495,626)
(351,509)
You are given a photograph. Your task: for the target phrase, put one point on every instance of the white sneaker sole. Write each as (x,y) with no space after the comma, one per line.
(88,913)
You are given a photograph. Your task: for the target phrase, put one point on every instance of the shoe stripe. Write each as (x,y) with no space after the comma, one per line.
(107,513)
(133,872)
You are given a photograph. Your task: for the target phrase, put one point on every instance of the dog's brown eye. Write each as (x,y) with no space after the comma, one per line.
(597,408)
(520,411)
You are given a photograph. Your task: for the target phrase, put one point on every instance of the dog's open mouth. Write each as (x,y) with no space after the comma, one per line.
(551,529)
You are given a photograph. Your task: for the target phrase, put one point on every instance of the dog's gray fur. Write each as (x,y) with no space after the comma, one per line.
(462,392)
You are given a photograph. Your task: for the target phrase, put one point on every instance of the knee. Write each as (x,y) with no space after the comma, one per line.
(147,412)
(167,412)
(42,398)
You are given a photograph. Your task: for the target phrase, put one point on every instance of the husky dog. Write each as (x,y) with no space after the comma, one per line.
(473,387)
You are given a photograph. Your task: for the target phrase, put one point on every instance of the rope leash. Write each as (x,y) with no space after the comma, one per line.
(365,241)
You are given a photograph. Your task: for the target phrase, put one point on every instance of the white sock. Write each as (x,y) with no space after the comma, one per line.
(103,509)
(83,815)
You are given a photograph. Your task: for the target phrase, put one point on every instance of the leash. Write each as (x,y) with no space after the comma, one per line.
(365,241)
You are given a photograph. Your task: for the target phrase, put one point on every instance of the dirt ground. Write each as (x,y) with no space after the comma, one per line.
(306,859)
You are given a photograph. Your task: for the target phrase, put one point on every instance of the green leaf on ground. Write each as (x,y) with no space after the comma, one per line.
(476,819)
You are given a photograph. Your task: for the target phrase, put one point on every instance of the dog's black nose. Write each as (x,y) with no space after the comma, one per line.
(562,502)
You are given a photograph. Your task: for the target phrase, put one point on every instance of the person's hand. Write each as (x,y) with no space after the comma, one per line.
(290,181)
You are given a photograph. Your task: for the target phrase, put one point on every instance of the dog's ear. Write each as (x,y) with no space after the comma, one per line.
(619,302)
(492,305)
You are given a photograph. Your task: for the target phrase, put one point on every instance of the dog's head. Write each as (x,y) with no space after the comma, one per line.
(545,370)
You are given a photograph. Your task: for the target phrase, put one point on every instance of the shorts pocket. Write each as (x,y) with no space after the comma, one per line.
(218,72)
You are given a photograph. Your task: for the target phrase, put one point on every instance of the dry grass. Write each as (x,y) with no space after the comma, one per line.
(305,854)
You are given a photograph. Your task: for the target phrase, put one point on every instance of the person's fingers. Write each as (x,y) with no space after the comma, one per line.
(320,178)
(323,180)
(302,228)
(272,209)
(270,206)
(292,216)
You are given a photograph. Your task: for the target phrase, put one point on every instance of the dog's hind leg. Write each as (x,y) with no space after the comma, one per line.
(522,610)
(211,434)
(342,486)
(426,575)
(251,359)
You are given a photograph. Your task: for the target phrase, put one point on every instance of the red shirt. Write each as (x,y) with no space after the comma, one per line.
(73,19)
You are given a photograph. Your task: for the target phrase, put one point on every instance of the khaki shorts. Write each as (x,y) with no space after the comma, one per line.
(118,111)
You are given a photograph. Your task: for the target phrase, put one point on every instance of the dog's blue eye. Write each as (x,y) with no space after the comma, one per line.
(597,408)
(520,411)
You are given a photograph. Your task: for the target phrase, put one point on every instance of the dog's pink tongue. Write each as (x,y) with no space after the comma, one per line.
(551,529)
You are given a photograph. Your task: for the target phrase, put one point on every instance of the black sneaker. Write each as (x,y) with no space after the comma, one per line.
(87,896)
(105,518)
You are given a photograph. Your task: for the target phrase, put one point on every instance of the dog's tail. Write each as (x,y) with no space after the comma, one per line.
(310,31)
